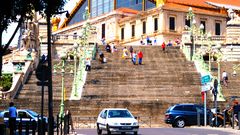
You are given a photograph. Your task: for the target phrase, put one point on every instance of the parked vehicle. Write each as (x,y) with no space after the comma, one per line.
(26,117)
(116,120)
(181,115)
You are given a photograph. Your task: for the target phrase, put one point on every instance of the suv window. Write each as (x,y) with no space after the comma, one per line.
(189,108)
(178,108)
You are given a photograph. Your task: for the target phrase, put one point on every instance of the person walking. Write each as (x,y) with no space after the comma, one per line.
(12,118)
(163,46)
(134,57)
(131,51)
(88,64)
(125,53)
(225,78)
(140,56)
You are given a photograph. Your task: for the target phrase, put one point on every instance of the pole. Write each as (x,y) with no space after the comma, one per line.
(205,108)
(49,58)
(75,73)
(42,105)
(62,99)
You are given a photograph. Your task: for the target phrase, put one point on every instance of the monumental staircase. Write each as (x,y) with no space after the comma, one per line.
(147,90)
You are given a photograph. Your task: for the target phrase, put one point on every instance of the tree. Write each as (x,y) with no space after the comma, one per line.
(21,10)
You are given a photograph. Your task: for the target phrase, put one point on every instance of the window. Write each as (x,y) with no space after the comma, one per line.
(133,30)
(23,115)
(103,30)
(122,33)
(189,108)
(155,24)
(75,35)
(104,114)
(179,108)
(217,28)
(204,24)
(144,27)
(187,22)
(171,23)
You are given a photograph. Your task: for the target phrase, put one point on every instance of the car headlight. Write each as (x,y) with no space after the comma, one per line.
(135,123)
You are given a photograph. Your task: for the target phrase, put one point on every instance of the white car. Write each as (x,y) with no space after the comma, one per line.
(116,120)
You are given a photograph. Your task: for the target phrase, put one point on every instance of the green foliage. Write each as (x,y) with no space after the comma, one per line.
(6,82)
(13,10)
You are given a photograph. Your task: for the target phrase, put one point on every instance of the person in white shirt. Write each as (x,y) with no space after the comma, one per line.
(88,64)
(225,78)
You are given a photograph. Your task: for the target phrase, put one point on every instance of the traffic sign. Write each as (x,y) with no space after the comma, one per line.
(206,87)
(205,79)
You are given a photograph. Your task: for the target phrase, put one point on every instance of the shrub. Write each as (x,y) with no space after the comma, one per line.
(6,82)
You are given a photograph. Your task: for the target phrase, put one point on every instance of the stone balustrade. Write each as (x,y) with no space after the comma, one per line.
(20,77)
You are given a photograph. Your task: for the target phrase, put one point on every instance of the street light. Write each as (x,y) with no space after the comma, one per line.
(191,18)
(75,46)
(62,67)
(209,51)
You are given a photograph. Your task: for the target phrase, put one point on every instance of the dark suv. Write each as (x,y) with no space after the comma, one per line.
(181,115)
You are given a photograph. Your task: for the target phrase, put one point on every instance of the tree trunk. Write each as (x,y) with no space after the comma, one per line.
(1,53)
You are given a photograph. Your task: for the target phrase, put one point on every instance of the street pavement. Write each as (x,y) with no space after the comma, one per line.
(173,131)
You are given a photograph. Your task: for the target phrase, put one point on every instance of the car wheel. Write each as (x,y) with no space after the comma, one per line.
(180,123)
(135,133)
(99,131)
(108,131)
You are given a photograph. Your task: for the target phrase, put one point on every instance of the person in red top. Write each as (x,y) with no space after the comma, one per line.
(140,56)
(163,46)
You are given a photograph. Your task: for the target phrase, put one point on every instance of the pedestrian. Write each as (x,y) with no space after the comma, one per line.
(103,41)
(140,56)
(12,118)
(163,46)
(108,48)
(155,40)
(112,47)
(169,43)
(141,41)
(88,64)
(225,78)
(134,57)
(101,56)
(68,123)
(131,51)
(125,53)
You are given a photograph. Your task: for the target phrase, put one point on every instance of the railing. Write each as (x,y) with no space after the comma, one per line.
(19,79)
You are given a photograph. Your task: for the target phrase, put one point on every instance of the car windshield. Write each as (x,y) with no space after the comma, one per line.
(119,114)
(34,114)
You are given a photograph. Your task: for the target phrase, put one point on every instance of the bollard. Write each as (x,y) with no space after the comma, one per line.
(27,128)
(238,121)
(39,129)
(224,118)
(34,124)
(20,126)
(57,125)
(232,119)
(198,117)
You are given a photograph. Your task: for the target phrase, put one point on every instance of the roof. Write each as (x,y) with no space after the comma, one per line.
(202,3)
(127,10)
(199,10)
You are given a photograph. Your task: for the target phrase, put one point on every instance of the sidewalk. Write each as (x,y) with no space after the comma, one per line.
(229,129)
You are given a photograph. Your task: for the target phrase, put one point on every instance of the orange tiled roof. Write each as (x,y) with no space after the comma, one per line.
(127,10)
(180,7)
(202,3)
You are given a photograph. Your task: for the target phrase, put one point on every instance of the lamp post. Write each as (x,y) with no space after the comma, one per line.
(209,52)
(75,46)
(190,17)
(62,67)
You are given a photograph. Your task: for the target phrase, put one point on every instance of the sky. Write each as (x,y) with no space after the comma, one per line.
(8,33)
